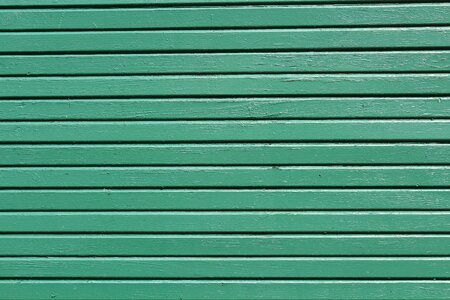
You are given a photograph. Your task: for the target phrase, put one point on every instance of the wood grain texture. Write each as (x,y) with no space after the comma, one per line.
(242,149)
(225,40)
(230,131)
(223,63)
(228,108)
(267,268)
(225,222)
(230,199)
(125,3)
(160,177)
(227,85)
(225,289)
(222,245)
(224,154)
(228,17)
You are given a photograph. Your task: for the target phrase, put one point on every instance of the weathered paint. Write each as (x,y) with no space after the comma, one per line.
(230,17)
(225,40)
(241,149)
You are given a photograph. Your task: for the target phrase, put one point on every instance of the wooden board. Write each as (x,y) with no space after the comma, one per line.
(161,3)
(227,63)
(223,199)
(225,289)
(223,245)
(225,222)
(204,177)
(225,40)
(225,108)
(232,131)
(229,17)
(263,267)
(227,85)
(225,154)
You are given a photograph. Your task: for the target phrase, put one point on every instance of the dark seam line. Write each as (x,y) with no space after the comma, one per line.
(217,4)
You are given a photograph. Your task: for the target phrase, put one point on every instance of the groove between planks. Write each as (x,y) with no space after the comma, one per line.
(125,3)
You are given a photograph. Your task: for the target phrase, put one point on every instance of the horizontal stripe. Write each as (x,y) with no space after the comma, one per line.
(219,108)
(266,199)
(227,85)
(223,154)
(342,130)
(388,61)
(257,222)
(266,268)
(68,3)
(204,40)
(224,176)
(230,17)
(225,289)
(232,245)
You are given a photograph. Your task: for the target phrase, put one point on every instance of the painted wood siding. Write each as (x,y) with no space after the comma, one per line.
(212,149)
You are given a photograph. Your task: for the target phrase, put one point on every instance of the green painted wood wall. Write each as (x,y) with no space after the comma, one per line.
(213,149)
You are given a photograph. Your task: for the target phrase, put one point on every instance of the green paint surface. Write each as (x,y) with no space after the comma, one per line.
(242,149)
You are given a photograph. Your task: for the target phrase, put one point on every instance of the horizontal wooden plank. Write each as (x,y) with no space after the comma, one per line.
(204,63)
(120,3)
(225,245)
(291,130)
(219,108)
(228,17)
(227,85)
(208,40)
(223,154)
(223,222)
(225,289)
(398,176)
(267,268)
(267,199)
